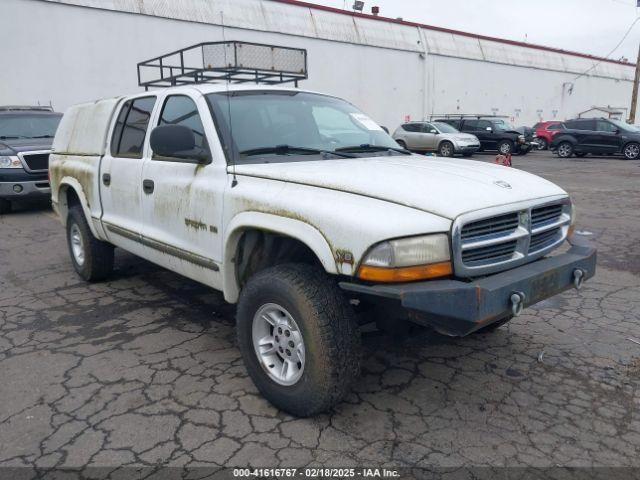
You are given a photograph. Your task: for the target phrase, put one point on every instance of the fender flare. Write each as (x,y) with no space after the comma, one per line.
(558,139)
(70,182)
(291,227)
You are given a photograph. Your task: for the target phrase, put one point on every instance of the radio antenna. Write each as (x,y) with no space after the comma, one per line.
(234,181)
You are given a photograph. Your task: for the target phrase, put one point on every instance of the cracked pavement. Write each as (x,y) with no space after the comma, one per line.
(143,370)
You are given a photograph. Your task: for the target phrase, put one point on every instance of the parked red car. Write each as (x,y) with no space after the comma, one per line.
(545,131)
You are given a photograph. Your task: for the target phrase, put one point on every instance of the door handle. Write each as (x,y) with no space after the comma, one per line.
(106,179)
(148,186)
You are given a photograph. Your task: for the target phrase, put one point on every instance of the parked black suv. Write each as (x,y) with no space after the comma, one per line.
(26,134)
(597,136)
(494,133)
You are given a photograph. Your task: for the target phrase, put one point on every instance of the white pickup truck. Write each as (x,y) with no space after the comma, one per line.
(304,212)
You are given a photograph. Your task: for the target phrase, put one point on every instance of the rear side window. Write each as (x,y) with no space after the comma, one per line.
(182,110)
(411,127)
(469,125)
(581,125)
(554,126)
(131,127)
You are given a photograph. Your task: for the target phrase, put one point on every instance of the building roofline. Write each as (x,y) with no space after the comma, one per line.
(516,43)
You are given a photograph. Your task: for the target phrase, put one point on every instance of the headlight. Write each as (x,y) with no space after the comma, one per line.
(521,139)
(407,259)
(10,162)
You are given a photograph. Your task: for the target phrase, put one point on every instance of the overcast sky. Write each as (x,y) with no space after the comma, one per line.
(589,26)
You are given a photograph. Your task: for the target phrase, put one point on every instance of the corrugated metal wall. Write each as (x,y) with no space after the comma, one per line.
(391,70)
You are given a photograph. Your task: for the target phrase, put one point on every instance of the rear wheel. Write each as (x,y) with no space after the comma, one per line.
(91,258)
(446,149)
(298,337)
(565,150)
(505,147)
(632,151)
(5,206)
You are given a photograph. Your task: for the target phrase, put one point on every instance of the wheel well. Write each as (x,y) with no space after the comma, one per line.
(67,198)
(259,249)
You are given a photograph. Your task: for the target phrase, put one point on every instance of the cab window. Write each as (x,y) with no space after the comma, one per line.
(182,110)
(131,127)
(411,127)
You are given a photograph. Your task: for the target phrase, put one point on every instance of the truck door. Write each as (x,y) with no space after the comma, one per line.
(121,174)
(182,199)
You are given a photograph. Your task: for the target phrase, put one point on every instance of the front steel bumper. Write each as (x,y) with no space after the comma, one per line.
(458,308)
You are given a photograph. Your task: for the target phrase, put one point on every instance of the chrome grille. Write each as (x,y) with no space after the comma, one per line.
(500,238)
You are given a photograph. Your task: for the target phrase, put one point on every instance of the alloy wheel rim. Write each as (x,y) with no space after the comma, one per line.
(505,148)
(446,150)
(77,246)
(632,151)
(564,150)
(278,344)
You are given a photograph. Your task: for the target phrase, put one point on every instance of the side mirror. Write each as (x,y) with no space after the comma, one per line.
(433,130)
(617,131)
(177,142)
(489,129)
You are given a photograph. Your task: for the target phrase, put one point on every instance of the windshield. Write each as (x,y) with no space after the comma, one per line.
(290,125)
(625,126)
(28,126)
(445,127)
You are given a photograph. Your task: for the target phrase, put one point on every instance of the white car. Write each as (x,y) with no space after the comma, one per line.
(303,211)
(436,137)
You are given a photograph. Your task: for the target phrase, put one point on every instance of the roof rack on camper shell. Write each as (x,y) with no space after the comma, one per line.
(229,61)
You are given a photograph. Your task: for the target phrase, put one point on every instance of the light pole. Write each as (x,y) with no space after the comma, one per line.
(634,96)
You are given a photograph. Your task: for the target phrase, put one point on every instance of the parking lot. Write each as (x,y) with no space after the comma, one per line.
(143,369)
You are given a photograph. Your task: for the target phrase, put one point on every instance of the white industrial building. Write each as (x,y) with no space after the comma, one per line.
(70,51)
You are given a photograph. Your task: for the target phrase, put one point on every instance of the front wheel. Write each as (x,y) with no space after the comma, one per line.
(505,147)
(565,150)
(445,149)
(91,258)
(632,151)
(298,337)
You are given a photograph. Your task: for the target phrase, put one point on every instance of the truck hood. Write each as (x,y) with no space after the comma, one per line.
(445,187)
(13,146)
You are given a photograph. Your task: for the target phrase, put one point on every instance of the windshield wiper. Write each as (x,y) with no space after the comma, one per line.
(287,149)
(43,136)
(365,147)
(7,137)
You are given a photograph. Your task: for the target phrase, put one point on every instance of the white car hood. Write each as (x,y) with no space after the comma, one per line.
(445,187)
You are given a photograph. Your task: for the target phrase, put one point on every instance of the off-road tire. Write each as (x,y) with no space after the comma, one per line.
(495,326)
(631,151)
(446,149)
(5,206)
(505,147)
(98,255)
(329,330)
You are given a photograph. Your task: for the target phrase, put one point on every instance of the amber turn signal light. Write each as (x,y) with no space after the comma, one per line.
(404,274)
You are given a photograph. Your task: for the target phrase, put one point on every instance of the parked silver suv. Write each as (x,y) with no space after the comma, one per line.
(436,137)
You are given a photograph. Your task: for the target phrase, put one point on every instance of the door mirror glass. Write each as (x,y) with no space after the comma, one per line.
(177,142)
(433,130)
(489,129)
